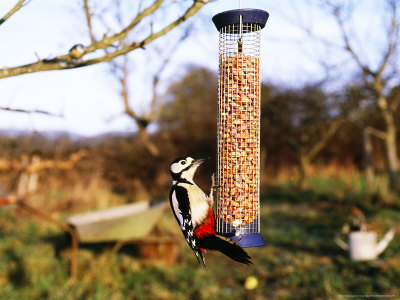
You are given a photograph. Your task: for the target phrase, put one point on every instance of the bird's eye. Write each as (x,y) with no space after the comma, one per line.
(183,162)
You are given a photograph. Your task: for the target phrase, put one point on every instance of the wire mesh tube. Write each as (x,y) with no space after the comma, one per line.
(238,205)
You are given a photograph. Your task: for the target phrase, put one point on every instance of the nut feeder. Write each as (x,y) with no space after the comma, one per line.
(238,162)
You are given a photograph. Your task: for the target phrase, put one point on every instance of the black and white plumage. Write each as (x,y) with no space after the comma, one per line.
(193,211)
(182,171)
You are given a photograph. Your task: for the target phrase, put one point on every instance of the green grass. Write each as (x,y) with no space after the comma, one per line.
(300,260)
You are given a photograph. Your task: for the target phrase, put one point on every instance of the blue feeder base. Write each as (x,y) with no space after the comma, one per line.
(245,236)
(246,240)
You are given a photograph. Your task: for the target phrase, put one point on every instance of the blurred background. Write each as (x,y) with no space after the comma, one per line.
(89,133)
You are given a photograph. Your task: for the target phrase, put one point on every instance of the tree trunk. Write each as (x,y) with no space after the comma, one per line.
(368,168)
(391,153)
(150,146)
(390,140)
(304,164)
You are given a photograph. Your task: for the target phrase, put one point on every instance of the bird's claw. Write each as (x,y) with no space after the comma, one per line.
(213,184)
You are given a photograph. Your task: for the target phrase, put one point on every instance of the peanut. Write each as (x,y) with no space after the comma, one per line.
(238,139)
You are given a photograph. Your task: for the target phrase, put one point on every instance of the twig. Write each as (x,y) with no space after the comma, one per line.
(377,133)
(13,10)
(34,111)
(89,21)
(330,132)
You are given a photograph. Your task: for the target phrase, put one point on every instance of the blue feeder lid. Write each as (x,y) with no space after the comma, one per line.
(230,17)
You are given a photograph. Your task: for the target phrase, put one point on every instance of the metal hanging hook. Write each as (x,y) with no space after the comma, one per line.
(240,40)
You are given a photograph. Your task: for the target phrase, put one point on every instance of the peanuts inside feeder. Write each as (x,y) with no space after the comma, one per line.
(238,203)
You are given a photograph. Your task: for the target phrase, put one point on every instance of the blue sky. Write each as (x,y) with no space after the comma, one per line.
(89,97)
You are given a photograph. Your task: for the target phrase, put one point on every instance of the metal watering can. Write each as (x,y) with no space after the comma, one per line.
(362,245)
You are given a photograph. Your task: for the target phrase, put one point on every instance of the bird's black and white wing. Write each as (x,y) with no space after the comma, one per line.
(180,205)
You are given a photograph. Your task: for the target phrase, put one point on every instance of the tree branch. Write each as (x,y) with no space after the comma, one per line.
(347,44)
(393,38)
(141,122)
(375,132)
(63,62)
(157,100)
(322,142)
(13,10)
(34,111)
(89,21)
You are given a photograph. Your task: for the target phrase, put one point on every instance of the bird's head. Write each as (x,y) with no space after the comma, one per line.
(184,168)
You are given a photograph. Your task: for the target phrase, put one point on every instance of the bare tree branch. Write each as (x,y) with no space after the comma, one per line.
(376,78)
(375,132)
(157,100)
(141,121)
(393,37)
(13,10)
(347,43)
(34,111)
(145,118)
(63,62)
(332,129)
(89,20)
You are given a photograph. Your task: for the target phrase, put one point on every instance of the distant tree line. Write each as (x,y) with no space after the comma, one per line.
(355,125)
(300,127)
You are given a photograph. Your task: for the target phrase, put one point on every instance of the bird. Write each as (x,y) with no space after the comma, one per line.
(193,210)
(77,51)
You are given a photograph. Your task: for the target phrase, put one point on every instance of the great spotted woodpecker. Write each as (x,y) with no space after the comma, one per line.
(194,213)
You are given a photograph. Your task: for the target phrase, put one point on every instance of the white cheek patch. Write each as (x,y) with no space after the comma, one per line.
(176,168)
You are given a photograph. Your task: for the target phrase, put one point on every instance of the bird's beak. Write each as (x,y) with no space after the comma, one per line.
(198,162)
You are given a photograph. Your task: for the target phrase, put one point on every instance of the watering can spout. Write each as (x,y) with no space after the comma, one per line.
(385,241)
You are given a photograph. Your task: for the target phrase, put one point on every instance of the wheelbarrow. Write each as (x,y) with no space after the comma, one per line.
(126,222)
(136,223)
(132,223)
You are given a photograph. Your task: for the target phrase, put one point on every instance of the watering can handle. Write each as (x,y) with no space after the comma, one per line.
(341,243)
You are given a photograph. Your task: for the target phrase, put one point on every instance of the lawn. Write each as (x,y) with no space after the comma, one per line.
(300,259)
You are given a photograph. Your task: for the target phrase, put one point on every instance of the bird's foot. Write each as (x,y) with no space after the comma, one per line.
(213,185)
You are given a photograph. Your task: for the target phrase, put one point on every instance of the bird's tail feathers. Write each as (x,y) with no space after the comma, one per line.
(200,258)
(225,246)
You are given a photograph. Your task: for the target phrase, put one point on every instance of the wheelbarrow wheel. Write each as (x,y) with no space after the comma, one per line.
(161,246)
